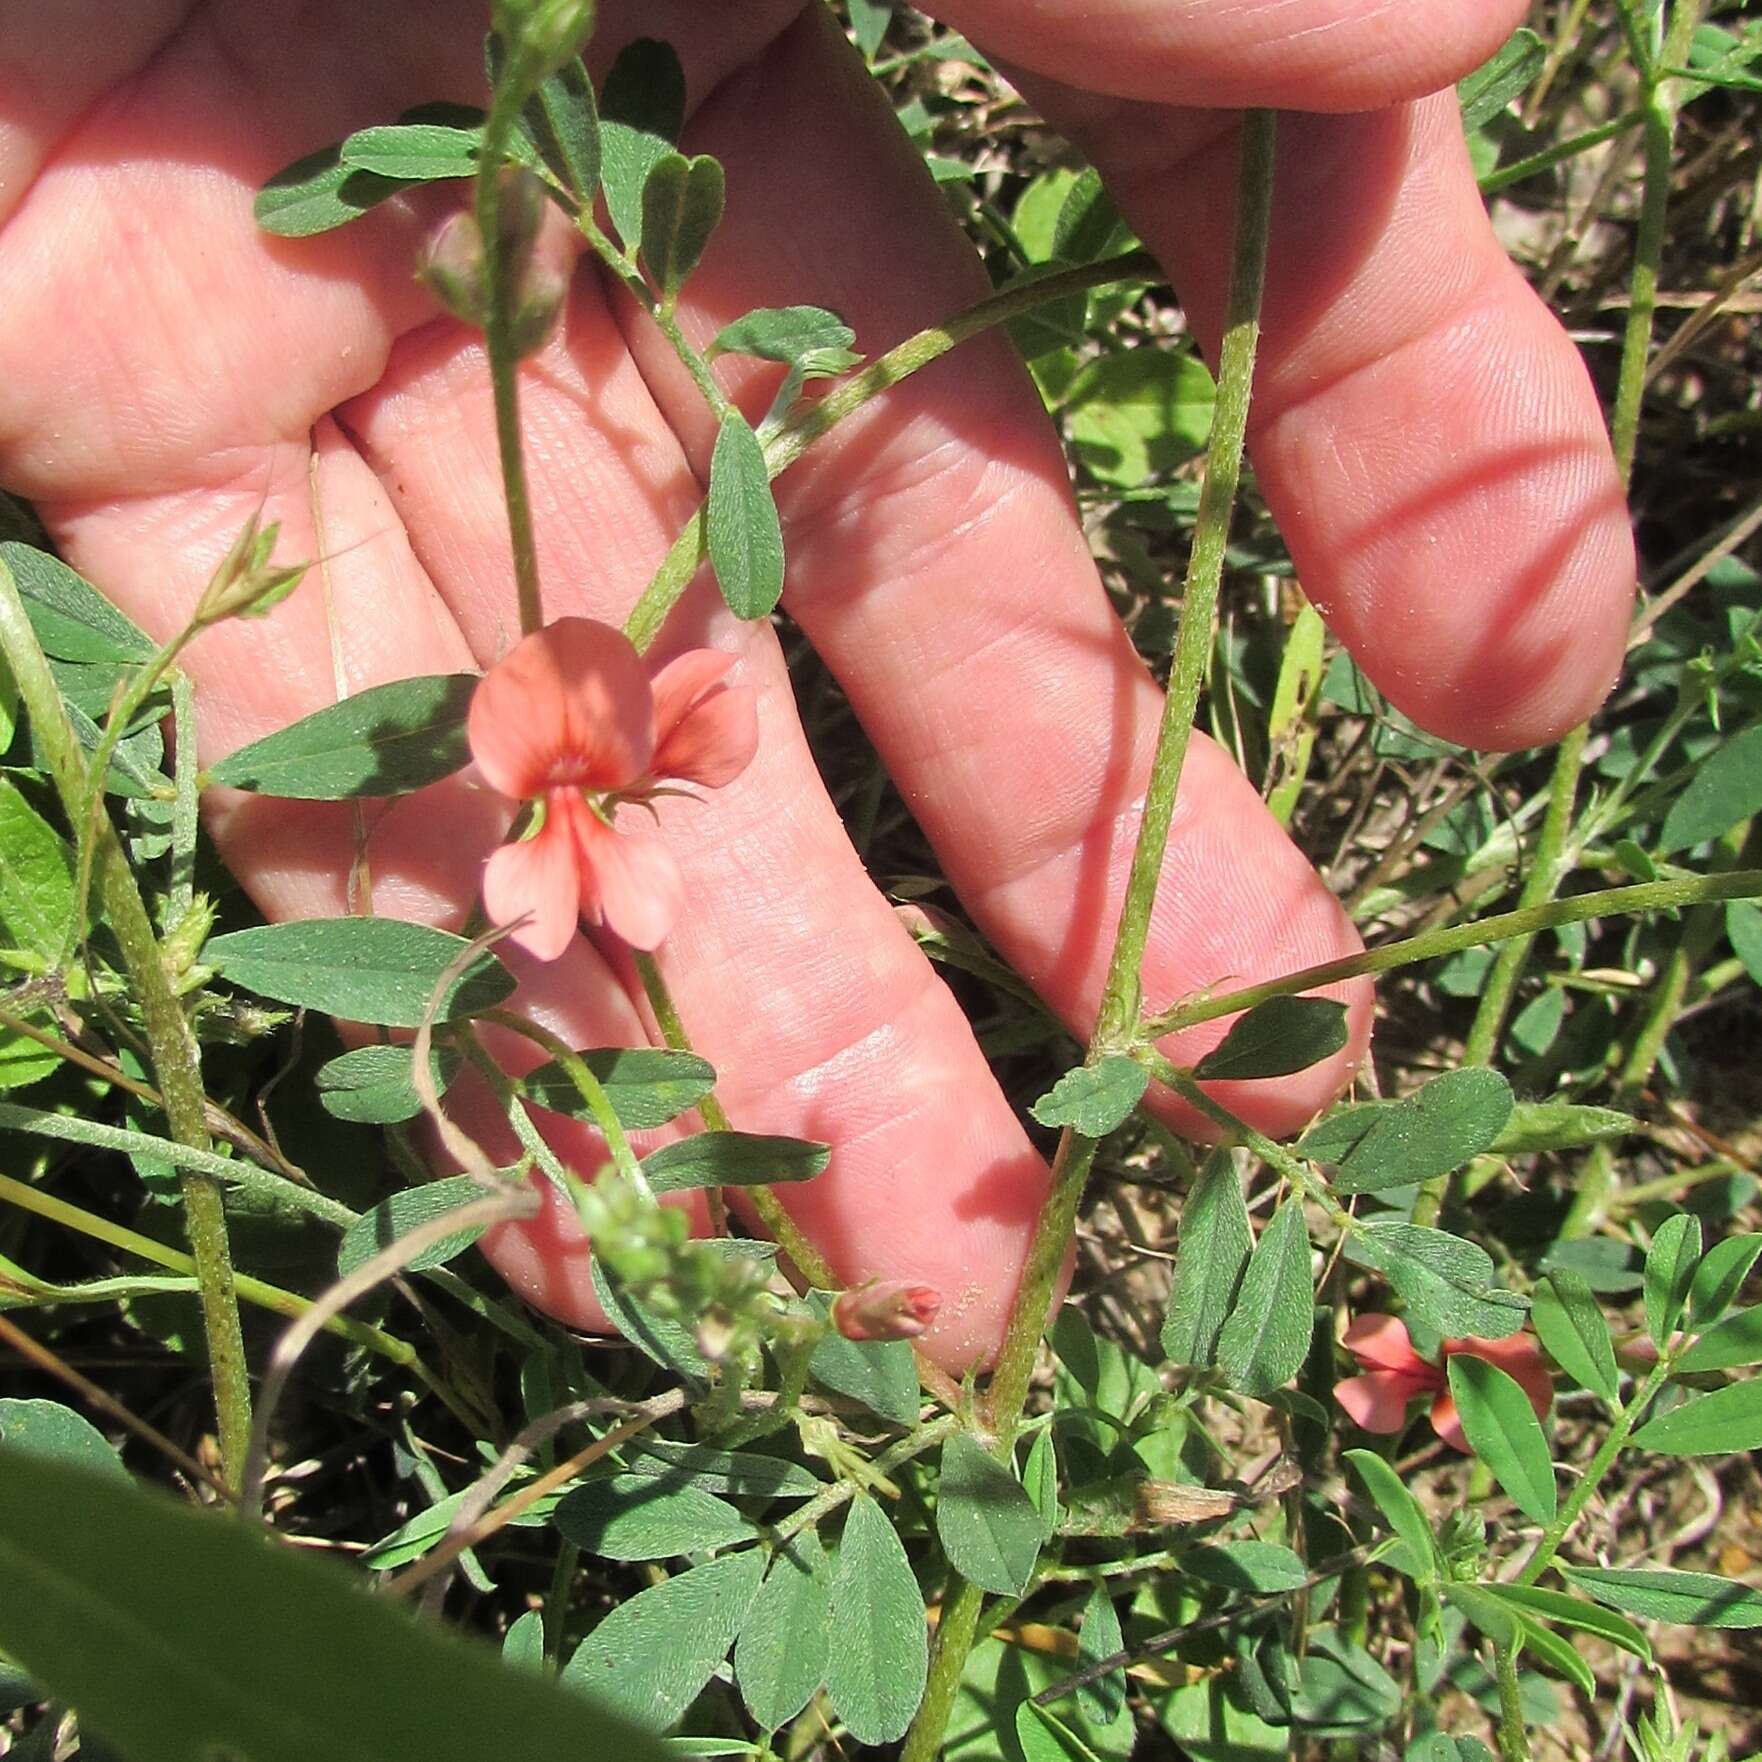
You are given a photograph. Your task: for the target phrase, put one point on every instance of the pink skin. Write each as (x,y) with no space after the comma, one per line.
(1428,440)
(1394,1374)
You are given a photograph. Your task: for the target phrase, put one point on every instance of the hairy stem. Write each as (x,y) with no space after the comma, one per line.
(1514,1743)
(1120,1002)
(176,1063)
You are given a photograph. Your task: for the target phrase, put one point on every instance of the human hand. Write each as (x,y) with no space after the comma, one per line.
(1423,431)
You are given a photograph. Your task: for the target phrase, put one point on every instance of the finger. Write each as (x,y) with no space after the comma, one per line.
(1423,430)
(937,563)
(1307,55)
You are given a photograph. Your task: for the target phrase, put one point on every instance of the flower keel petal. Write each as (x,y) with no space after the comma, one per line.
(536,880)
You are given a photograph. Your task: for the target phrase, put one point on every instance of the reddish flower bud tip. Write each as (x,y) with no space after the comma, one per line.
(885,1309)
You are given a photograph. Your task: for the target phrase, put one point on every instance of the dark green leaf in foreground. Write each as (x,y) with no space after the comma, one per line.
(1726,787)
(1428,1133)
(882,1374)
(1447,1283)
(566,125)
(742,1474)
(1215,1241)
(1574,1612)
(36,878)
(879,1650)
(1692,1599)
(1258,1568)
(1670,1271)
(404,1212)
(989,1528)
(732,1159)
(741,527)
(1266,1338)
(73,621)
(375,1085)
(1721,1424)
(1401,1511)
(681,207)
(1503,1431)
(1570,1324)
(780,1659)
(1100,1637)
(1737,1340)
(1499,79)
(1559,1125)
(646,1085)
(1134,414)
(1094,1099)
(1282,1035)
(1044,1737)
(378,970)
(649,1659)
(808,337)
(1721,1275)
(319,193)
(156,1622)
(642,109)
(645,1517)
(57,1434)
(386,740)
(414,152)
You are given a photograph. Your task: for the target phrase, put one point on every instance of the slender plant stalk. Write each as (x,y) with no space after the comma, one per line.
(1117,1020)
(505,103)
(1514,1743)
(176,1063)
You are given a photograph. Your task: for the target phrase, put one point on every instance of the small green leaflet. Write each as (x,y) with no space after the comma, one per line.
(1735,1341)
(740,1474)
(1670,1271)
(646,1517)
(649,1659)
(1136,414)
(1720,1276)
(1259,1568)
(741,526)
(1099,1637)
(1094,1099)
(1503,1431)
(1447,1283)
(808,337)
(1726,787)
(1492,86)
(1559,1125)
(1571,1326)
(1040,1480)
(869,20)
(1495,1619)
(415,152)
(879,1651)
(732,1159)
(1692,1599)
(1401,1511)
(318,193)
(155,1620)
(1743,930)
(1044,1737)
(375,1085)
(780,1658)
(36,878)
(402,1213)
(1215,1242)
(1426,1134)
(682,202)
(376,970)
(1266,1338)
(73,621)
(1565,1611)
(1721,1424)
(387,740)
(57,1434)
(882,1374)
(646,1085)
(565,125)
(523,1645)
(988,1526)
(1278,1037)
(642,108)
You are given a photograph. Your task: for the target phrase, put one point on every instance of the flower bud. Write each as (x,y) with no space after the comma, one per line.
(451,268)
(885,1309)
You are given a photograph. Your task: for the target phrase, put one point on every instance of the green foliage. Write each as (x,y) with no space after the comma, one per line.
(1503,77)
(780,1659)
(1571,1326)
(878,1652)
(1400,1510)
(1503,1431)
(881,1374)
(681,207)
(375,1085)
(1429,1133)
(1216,1239)
(732,1159)
(1446,1283)
(57,1434)
(988,1525)
(404,1212)
(1276,1038)
(1670,1271)
(1094,1099)
(647,1086)
(647,1517)
(1721,1424)
(741,524)
(155,1621)
(1266,1336)
(1725,789)
(1693,1599)
(1132,417)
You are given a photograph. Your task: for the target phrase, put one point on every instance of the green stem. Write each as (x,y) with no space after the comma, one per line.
(1120,1002)
(688,551)
(505,103)
(176,1062)
(1644,896)
(1515,173)
(1548,1544)
(1514,1744)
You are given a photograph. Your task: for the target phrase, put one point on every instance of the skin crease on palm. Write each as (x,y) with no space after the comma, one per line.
(1423,431)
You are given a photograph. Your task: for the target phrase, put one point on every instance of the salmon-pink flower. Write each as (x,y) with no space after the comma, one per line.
(885,1309)
(570,721)
(1394,1374)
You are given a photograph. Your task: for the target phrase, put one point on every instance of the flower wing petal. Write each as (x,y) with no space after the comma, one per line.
(1376,1401)
(1381,1342)
(569,704)
(706,732)
(537,880)
(1447,1423)
(635,882)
